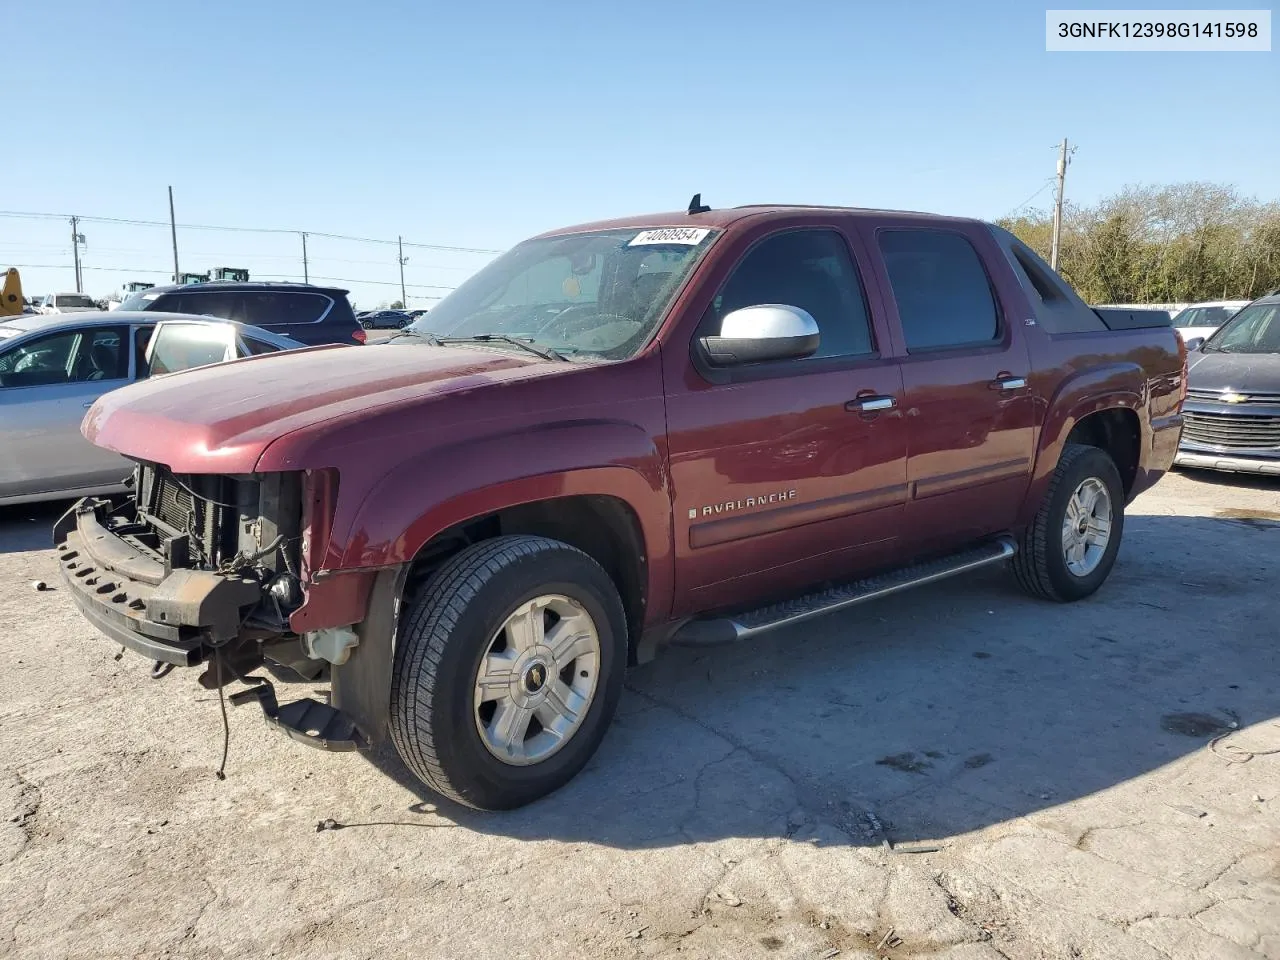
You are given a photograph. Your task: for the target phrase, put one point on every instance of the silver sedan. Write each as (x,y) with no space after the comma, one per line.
(52,369)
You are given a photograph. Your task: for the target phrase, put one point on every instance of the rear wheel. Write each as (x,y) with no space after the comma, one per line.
(508,669)
(367,324)
(1069,549)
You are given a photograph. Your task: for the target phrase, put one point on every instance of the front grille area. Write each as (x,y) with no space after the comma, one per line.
(172,504)
(197,508)
(1215,396)
(1239,430)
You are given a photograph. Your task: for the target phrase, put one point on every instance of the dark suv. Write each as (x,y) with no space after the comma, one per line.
(308,314)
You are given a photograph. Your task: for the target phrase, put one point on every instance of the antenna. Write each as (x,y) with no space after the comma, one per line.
(696,206)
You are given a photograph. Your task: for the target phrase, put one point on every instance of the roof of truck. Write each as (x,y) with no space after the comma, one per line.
(730,215)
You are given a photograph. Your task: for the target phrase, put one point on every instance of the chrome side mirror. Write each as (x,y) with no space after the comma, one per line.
(771,331)
(1194,344)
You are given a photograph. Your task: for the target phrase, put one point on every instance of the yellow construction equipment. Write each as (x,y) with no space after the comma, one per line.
(11,302)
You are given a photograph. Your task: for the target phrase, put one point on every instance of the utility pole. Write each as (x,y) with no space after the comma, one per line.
(173,231)
(404,301)
(1057,206)
(306,275)
(76,240)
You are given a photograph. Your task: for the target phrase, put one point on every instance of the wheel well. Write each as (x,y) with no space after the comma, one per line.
(605,528)
(1117,432)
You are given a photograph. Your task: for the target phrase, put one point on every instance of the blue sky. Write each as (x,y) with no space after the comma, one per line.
(477,124)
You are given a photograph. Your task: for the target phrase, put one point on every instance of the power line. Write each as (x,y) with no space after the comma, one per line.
(269,276)
(1048,182)
(64,250)
(30,215)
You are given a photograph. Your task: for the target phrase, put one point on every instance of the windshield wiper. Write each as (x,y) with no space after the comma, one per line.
(431,338)
(546,353)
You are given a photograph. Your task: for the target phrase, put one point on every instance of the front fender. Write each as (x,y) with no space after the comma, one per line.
(441,488)
(1108,387)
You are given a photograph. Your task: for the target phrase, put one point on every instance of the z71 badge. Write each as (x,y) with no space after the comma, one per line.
(749,503)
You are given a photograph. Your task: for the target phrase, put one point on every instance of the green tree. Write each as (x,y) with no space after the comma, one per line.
(1178,243)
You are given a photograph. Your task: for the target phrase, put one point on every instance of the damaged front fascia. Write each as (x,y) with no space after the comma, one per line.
(330,598)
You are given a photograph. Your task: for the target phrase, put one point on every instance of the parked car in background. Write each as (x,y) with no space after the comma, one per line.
(56,303)
(383,319)
(1202,319)
(674,428)
(415,314)
(1231,420)
(52,368)
(308,314)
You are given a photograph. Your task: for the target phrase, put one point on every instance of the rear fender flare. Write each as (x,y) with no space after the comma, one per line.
(1109,387)
(445,487)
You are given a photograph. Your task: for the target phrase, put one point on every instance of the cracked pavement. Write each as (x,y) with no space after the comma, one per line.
(956,772)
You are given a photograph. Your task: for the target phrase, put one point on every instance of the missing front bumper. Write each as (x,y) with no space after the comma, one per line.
(171,617)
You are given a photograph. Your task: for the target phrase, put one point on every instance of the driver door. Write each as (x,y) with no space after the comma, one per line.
(790,472)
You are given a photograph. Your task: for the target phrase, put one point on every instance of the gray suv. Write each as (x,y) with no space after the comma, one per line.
(309,314)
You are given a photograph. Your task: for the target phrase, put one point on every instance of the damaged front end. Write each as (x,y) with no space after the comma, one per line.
(210,569)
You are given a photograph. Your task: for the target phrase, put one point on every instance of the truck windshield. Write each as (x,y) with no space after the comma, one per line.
(73,300)
(1255,329)
(139,300)
(597,295)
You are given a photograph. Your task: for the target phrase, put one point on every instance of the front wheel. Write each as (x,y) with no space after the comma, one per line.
(508,670)
(1069,549)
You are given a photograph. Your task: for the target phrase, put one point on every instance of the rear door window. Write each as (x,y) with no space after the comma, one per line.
(141,337)
(941,288)
(221,304)
(181,346)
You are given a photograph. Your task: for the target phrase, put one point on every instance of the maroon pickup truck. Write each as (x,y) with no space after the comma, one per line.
(683,428)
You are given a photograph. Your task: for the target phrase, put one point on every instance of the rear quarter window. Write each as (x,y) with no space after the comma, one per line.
(272,308)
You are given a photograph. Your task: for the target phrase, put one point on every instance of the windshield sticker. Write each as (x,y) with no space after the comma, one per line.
(689,236)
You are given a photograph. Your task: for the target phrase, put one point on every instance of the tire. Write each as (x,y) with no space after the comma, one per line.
(367,324)
(1041,565)
(401,324)
(449,632)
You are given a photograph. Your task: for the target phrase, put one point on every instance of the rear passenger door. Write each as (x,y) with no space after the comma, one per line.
(970,412)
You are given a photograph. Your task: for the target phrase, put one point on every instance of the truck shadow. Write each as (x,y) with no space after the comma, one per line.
(935,712)
(1238,481)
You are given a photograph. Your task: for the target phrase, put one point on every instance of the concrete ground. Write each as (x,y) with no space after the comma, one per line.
(956,773)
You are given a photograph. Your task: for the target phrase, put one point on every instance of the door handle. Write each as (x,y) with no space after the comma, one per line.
(1008,383)
(871,404)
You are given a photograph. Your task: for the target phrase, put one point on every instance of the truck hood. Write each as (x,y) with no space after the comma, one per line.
(220,418)
(1241,372)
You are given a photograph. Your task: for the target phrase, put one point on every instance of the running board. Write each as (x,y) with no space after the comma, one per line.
(741,626)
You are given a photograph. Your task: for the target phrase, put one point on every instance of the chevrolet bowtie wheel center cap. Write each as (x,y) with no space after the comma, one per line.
(535,677)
